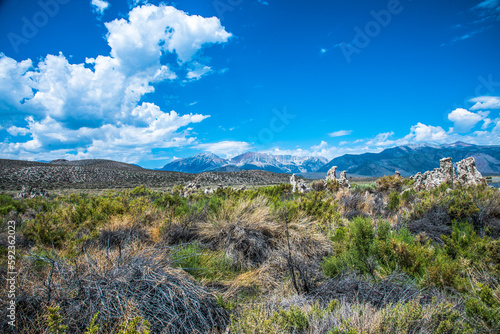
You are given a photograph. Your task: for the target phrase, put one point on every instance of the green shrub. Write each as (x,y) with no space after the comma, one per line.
(317,205)
(332,186)
(394,201)
(483,309)
(203,263)
(137,326)
(8,204)
(55,321)
(390,183)
(291,320)
(358,246)
(139,191)
(93,328)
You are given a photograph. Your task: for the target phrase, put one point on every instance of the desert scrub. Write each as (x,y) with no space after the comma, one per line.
(483,308)
(341,317)
(319,206)
(392,183)
(394,201)
(203,264)
(8,204)
(380,251)
(67,216)
(363,187)
(139,279)
(360,247)
(465,204)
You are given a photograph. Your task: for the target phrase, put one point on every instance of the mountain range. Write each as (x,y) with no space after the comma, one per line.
(205,162)
(408,160)
(411,159)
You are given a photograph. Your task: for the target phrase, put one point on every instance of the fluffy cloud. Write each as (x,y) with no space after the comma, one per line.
(152,30)
(340,133)
(118,141)
(99,6)
(426,133)
(93,107)
(464,120)
(227,149)
(485,102)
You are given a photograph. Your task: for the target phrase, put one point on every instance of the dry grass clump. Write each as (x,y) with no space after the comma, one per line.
(354,204)
(120,285)
(183,229)
(392,289)
(318,185)
(250,234)
(246,230)
(303,314)
(121,231)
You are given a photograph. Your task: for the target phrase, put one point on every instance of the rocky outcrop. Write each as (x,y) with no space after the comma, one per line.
(302,186)
(298,185)
(466,169)
(343,182)
(293,182)
(191,188)
(331,175)
(32,192)
(447,171)
(468,173)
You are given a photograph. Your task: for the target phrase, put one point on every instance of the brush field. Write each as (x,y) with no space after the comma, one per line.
(371,259)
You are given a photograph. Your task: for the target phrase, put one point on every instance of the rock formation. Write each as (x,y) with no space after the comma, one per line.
(447,171)
(343,182)
(466,169)
(468,173)
(302,187)
(331,175)
(191,188)
(32,192)
(293,182)
(298,185)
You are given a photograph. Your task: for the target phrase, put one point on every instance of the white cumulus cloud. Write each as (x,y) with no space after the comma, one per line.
(427,133)
(485,102)
(464,120)
(99,6)
(95,108)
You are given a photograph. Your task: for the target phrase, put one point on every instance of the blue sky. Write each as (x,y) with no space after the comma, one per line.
(149,81)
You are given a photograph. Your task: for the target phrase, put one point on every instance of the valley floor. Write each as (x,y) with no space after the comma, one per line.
(370,259)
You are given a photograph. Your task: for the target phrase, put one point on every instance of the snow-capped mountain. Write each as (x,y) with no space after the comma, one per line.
(199,163)
(248,161)
(408,160)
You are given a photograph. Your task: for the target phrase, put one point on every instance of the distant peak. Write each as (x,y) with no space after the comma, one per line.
(207,155)
(460,144)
